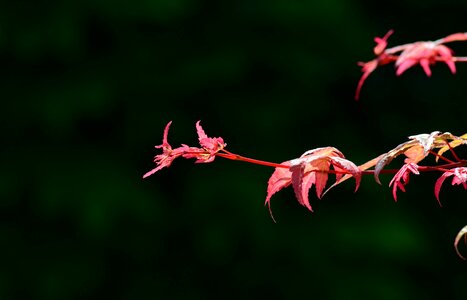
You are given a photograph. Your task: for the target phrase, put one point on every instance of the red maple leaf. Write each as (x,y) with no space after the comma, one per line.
(168,155)
(382,58)
(405,56)
(401,179)
(206,154)
(425,54)
(312,168)
(460,177)
(211,145)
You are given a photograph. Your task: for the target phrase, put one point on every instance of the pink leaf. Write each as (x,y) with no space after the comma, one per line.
(341,164)
(461,36)
(460,177)
(425,63)
(280,179)
(165,159)
(382,58)
(404,65)
(205,155)
(211,145)
(425,54)
(165,143)
(382,43)
(302,183)
(445,54)
(367,69)
(312,168)
(401,178)
(200,131)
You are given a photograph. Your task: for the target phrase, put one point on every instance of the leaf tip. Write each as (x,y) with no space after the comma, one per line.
(268,203)
(376,176)
(462,232)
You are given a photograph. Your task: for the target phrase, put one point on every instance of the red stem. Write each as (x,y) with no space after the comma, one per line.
(234,156)
(440,168)
(453,152)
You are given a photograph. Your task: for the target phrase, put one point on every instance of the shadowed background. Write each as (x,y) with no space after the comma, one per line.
(88,87)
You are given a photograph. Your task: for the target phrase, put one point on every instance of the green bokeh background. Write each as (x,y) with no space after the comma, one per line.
(88,86)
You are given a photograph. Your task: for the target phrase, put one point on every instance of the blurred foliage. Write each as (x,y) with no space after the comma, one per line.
(88,86)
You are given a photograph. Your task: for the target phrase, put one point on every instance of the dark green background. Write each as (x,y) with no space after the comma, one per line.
(87,88)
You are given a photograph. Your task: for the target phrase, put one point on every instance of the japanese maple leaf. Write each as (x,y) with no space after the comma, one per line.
(310,169)
(415,150)
(405,56)
(168,155)
(211,145)
(382,58)
(428,53)
(401,178)
(425,54)
(460,177)
(205,154)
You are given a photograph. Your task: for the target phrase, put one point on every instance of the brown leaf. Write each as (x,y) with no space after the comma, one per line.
(416,149)
(456,141)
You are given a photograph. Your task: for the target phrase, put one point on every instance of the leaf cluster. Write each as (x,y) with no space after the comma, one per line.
(314,166)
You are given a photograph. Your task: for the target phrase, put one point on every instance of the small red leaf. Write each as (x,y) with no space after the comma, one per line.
(168,154)
(165,143)
(401,179)
(461,36)
(425,54)
(205,155)
(460,177)
(382,43)
(211,144)
(367,69)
